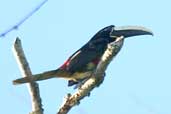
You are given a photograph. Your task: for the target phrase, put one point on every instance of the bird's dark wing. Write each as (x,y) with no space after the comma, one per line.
(91,51)
(80,59)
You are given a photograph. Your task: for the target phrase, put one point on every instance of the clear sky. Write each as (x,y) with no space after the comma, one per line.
(138,79)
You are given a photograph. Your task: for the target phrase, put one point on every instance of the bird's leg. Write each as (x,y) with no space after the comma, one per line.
(81,82)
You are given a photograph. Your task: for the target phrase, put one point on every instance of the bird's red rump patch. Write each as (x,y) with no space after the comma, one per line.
(66,63)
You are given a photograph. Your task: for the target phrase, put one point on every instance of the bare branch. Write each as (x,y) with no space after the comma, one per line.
(26,72)
(96,79)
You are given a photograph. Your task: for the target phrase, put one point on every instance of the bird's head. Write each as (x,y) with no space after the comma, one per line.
(112,33)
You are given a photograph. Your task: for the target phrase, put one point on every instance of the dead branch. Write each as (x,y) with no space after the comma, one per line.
(26,72)
(71,100)
(96,79)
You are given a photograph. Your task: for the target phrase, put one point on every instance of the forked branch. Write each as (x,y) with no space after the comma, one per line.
(70,100)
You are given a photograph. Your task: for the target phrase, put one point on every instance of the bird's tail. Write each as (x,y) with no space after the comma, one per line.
(41,76)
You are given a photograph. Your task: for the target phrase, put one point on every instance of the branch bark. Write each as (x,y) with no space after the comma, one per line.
(26,72)
(95,80)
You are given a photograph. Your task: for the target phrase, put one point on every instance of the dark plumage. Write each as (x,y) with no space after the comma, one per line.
(83,62)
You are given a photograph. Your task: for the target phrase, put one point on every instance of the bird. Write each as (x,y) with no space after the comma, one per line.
(81,64)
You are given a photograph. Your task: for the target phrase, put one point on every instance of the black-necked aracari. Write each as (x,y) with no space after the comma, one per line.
(83,62)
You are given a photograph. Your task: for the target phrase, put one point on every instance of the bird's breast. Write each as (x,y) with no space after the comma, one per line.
(84,73)
(81,75)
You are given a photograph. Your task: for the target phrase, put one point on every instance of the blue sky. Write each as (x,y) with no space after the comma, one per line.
(138,79)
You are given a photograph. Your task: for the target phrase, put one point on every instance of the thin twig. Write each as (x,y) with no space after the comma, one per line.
(96,79)
(26,72)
